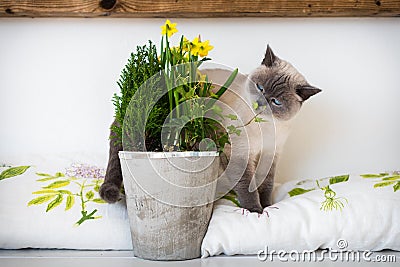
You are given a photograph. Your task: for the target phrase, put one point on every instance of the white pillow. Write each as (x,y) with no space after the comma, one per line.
(30,226)
(364,215)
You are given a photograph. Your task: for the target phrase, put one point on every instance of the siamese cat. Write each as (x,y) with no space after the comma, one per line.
(279,91)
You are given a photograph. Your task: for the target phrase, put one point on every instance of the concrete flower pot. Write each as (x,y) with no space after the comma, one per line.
(169,198)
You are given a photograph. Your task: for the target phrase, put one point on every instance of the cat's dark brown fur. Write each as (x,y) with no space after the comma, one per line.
(111,188)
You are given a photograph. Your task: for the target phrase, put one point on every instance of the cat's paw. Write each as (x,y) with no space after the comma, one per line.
(110,193)
(258,210)
(255,208)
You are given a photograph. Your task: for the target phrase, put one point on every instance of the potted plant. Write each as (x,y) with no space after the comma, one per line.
(171,137)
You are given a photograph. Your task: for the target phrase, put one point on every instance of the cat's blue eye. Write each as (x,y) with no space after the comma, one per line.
(260,87)
(276,102)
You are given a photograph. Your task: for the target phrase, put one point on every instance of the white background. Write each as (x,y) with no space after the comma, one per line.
(57,78)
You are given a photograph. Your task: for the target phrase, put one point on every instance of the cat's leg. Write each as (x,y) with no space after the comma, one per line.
(265,189)
(248,200)
(111,188)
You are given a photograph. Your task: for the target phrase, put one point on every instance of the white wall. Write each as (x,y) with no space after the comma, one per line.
(57,77)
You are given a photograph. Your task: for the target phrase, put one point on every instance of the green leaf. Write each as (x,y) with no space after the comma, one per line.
(98,200)
(374,175)
(299,191)
(382,184)
(232,117)
(57,184)
(96,188)
(228,83)
(65,192)
(303,181)
(255,105)
(59,174)
(86,216)
(391,178)
(233,130)
(45,191)
(57,201)
(46,179)
(396,186)
(70,202)
(90,195)
(13,171)
(339,179)
(43,174)
(323,179)
(217,109)
(40,200)
(258,119)
(232,199)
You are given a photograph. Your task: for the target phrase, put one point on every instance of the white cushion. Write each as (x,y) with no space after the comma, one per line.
(23,226)
(367,219)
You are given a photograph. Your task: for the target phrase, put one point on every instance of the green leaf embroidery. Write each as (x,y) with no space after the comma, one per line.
(392,178)
(396,186)
(57,184)
(331,201)
(43,174)
(57,201)
(13,171)
(339,179)
(45,191)
(53,194)
(382,184)
(65,192)
(86,217)
(383,174)
(89,195)
(40,200)
(299,191)
(303,182)
(98,200)
(70,202)
(47,179)
(96,188)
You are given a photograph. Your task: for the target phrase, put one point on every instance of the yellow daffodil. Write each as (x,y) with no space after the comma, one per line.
(204,48)
(199,48)
(194,46)
(186,44)
(168,28)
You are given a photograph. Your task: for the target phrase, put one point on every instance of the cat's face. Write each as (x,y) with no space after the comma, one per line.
(284,88)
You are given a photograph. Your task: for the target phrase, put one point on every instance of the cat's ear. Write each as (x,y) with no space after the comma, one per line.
(307,91)
(269,58)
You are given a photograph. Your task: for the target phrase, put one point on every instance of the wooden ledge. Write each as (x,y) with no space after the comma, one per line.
(199,8)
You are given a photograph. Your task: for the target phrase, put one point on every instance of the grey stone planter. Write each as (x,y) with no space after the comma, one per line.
(169,199)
